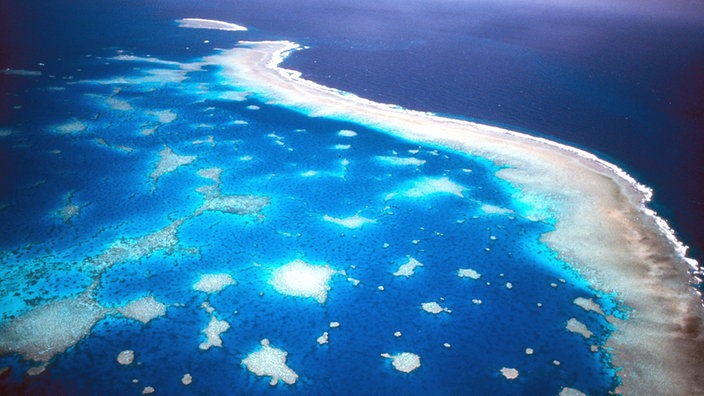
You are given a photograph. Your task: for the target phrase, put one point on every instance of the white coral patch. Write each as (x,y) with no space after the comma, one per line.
(213,283)
(144,309)
(428,186)
(468,273)
(509,373)
(125,357)
(400,161)
(301,279)
(355,221)
(347,133)
(405,362)
(270,362)
(578,327)
(213,331)
(409,268)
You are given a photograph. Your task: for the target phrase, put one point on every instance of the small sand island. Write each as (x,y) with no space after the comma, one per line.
(198,23)
(603,227)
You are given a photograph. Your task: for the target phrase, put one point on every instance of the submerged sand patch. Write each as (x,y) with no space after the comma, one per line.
(352,222)
(346,133)
(199,23)
(400,161)
(187,379)
(73,126)
(428,186)
(565,391)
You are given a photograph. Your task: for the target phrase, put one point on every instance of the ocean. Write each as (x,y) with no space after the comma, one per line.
(92,131)
(621,85)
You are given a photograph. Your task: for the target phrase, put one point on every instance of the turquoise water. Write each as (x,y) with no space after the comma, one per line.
(102,162)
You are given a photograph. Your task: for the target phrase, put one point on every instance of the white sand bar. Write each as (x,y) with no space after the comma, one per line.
(404,362)
(301,279)
(270,362)
(198,23)
(603,227)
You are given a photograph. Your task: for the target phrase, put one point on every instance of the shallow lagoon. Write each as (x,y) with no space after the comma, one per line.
(444,209)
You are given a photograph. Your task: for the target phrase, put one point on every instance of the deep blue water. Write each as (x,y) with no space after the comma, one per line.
(591,81)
